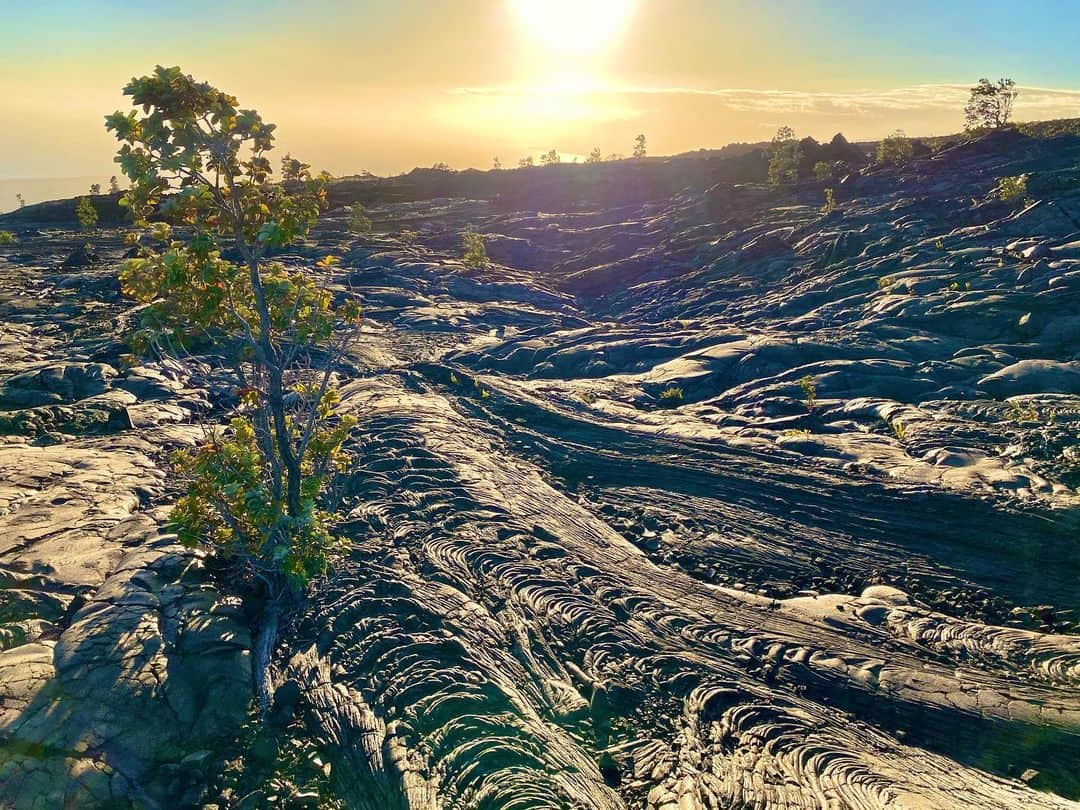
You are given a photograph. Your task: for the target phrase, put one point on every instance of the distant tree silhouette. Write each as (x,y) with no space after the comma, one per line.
(895,150)
(616,156)
(990,105)
(594,156)
(639,147)
(21,200)
(526,161)
(95,188)
(441,167)
(293,169)
(497,164)
(550,158)
(114,185)
(86,214)
(785,153)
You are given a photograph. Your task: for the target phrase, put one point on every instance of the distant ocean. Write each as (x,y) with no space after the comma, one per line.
(40,189)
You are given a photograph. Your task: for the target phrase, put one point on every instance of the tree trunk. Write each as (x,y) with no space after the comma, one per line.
(265,639)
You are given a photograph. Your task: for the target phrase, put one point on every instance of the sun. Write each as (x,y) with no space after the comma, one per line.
(574,26)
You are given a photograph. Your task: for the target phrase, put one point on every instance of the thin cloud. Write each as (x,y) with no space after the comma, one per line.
(1032,101)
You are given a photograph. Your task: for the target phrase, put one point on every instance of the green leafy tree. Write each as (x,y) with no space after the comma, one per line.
(475,255)
(594,156)
(550,158)
(990,104)
(294,170)
(639,147)
(895,150)
(86,214)
(823,171)
(254,489)
(114,185)
(359,221)
(7,238)
(1012,188)
(785,154)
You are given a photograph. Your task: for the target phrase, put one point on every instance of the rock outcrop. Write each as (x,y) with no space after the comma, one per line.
(709,499)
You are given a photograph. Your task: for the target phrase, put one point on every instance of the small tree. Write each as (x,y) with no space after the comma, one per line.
(294,170)
(114,185)
(785,154)
(254,489)
(639,147)
(1012,188)
(95,188)
(20,200)
(526,162)
(86,214)
(7,238)
(441,167)
(550,158)
(990,105)
(594,156)
(496,165)
(475,255)
(809,389)
(359,221)
(895,149)
(823,171)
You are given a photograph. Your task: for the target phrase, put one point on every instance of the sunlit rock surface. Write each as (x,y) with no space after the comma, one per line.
(606,547)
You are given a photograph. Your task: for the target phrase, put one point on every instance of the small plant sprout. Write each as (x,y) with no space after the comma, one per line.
(809,389)
(7,238)
(671,396)
(359,221)
(475,255)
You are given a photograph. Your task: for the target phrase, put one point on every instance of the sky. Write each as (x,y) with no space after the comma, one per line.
(385,85)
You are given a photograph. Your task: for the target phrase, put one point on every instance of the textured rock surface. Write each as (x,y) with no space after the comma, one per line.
(607,547)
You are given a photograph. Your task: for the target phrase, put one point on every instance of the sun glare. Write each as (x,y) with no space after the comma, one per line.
(574,26)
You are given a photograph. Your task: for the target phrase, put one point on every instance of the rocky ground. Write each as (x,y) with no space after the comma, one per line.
(711,500)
